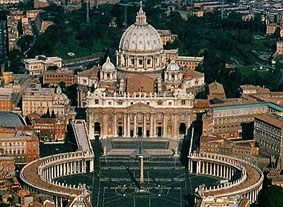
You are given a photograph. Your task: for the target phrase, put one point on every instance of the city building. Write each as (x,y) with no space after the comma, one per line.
(279,48)
(13,19)
(11,90)
(41,24)
(268,133)
(54,77)
(167,36)
(226,201)
(243,149)
(7,167)
(40,4)
(6,103)
(9,119)
(216,91)
(96,3)
(39,64)
(133,99)
(87,79)
(10,1)
(182,61)
(3,40)
(49,129)
(19,143)
(229,118)
(261,93)
(43,100)
(271,28)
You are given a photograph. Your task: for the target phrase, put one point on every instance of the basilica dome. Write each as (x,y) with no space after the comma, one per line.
(140,48)
(141,36)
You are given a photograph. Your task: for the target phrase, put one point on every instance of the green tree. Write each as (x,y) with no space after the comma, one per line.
(277,33)
(270,196)
(53,114)
(25,42)
(47,114)
(20,28)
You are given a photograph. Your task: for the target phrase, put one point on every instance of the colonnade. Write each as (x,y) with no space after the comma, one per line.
(40,175)
(225,167)
(212,169)
(64,169)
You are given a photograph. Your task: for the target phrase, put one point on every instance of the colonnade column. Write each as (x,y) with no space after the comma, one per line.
(144,124)
(175,125)
(151,125)
(125,125)
(115,125)
(129,124)
(104,125)
(135,125)
(164,125)
(154,125)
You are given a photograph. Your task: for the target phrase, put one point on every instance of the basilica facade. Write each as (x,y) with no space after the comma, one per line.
(149,92)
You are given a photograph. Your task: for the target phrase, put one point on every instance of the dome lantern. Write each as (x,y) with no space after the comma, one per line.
(141,17)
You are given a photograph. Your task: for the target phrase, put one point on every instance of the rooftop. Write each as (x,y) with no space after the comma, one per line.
(216,87)
(9,119)
(271,119)
(243,103)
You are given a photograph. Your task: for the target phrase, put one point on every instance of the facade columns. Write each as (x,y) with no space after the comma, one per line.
(129,125)
(175,124)
(155,125)
(151,125)
(104,125)
(135,125)
(144,124)
(164,125)
(115,125)
(124,125)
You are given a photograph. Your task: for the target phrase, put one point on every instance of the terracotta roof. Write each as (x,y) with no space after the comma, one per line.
(216,88)
(45,120)
(35,204)
(244,202)
(191,74)
(92,72)
(268,118)
(137,83)
(257,88)
(235,101)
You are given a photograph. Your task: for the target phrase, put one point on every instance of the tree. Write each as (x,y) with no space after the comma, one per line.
(270,196)
(277,33)
(10,200)
(47,114)
(25,42)
(62,85)
(20,28)
(53,114)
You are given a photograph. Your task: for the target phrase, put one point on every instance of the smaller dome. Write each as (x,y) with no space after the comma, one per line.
(173,66)
(108,65)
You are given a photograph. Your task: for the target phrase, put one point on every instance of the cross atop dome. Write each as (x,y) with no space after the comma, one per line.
(141,18)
